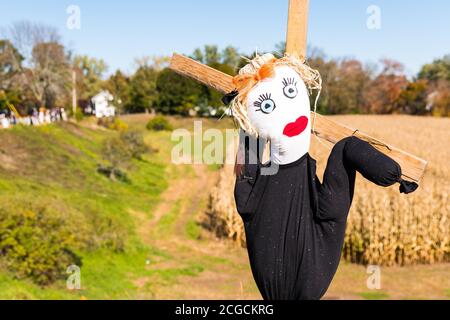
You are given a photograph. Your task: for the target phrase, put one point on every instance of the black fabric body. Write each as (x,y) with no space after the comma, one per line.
(295,225)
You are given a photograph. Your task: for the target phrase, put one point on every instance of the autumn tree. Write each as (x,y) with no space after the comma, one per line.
(413,98)
(346,86)
(386,88)
(328,70)
(50,73)
(39,61)
(439,98)
(437,74)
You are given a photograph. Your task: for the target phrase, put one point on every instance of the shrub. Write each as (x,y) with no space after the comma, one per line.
(108,233)
(118,125)
(112,124)
(38,241)
(79,116)
(117,153)
(159,123)
(135,143)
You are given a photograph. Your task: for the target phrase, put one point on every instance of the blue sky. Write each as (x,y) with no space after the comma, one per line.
(413,32)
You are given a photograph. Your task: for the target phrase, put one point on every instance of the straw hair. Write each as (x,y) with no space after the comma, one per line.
(311,77)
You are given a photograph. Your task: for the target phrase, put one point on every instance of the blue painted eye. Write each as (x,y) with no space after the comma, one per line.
(290,88)
(265,104)
(290,91)
(268,106)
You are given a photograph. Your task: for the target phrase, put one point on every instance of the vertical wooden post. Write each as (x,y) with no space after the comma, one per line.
(297,31)
(74,92)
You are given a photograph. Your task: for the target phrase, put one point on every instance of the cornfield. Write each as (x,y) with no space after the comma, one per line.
(384,227)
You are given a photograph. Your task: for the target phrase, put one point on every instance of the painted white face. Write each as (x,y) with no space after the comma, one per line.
(279,109)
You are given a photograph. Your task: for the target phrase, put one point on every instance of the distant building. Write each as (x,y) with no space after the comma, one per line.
(102,105)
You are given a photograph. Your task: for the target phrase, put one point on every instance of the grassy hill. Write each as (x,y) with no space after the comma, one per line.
(52,172)
(142,238)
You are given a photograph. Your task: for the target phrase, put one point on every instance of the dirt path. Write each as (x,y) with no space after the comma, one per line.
(222,270)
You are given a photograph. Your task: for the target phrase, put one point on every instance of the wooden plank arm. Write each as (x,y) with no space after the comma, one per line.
(204,74)
(413,168)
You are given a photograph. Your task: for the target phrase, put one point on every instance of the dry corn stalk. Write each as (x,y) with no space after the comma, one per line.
(384,227)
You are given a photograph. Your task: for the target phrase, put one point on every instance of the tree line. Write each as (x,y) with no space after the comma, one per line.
(37,70)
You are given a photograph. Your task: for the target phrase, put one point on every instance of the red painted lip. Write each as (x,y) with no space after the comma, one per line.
(295,128)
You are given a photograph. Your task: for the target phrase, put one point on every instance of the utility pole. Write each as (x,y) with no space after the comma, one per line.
(74,92)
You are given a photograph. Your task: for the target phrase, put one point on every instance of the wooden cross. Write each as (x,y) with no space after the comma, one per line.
(413,168)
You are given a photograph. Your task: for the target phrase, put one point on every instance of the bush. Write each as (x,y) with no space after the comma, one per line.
(118,125)
(108,233)
(112,124)
(79,116)
(135,143)
(159,123)
(39,242)
(117,153)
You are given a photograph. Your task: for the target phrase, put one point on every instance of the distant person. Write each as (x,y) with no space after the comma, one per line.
(13,119)
(47,118)
(63,114)
(54,115)
(27,121)
(34,117)
(4,121)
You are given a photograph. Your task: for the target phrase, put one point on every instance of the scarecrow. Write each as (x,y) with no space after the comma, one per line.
(294,223)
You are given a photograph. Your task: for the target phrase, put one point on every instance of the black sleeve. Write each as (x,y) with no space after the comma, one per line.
(245,186)
(376,166)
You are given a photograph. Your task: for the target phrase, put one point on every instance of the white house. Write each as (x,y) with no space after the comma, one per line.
(102,106)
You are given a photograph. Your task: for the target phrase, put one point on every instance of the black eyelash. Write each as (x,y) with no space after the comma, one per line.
(289,81)
(261,99)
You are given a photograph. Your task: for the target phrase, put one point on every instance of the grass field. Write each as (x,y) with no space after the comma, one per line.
(56,166)
(167,254)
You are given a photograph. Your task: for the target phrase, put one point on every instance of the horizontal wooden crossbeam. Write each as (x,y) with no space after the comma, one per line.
(413,168)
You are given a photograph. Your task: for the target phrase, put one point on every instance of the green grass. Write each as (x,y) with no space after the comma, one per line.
(170,275)
(193,229)
(374,295)
(57,165)
(166,223)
